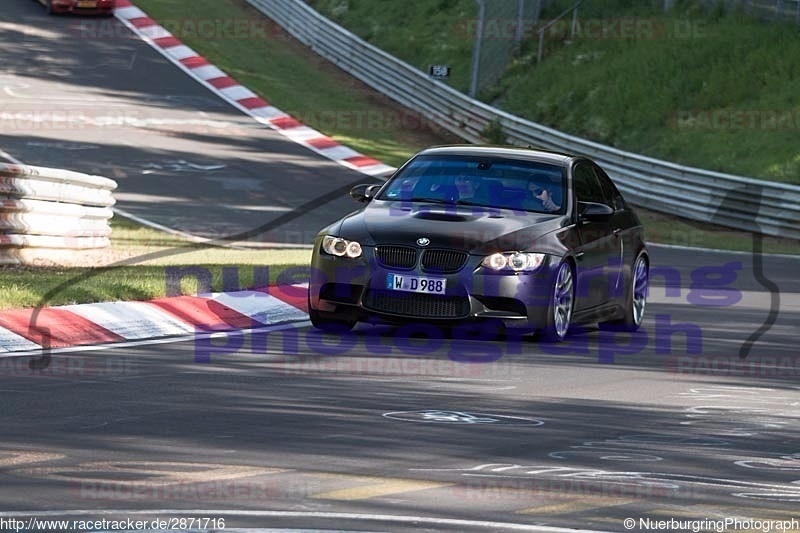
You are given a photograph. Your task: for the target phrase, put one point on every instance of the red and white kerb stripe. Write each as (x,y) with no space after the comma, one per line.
(240,96)
(108,322)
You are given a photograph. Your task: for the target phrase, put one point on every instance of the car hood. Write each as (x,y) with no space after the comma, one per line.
(479,230)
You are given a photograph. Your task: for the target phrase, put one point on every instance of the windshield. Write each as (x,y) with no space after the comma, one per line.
(498,183)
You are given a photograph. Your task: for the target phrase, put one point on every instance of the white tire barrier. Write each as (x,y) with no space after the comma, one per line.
(49,215)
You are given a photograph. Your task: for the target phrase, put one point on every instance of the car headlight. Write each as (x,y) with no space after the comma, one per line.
(341,247)
(514,261)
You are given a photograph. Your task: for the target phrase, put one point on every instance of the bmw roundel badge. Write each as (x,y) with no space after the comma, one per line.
(423,241)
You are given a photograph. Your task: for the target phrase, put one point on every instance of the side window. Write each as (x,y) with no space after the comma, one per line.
(610,192)
(587,188)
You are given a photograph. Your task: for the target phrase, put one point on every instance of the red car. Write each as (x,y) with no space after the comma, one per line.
(84,7)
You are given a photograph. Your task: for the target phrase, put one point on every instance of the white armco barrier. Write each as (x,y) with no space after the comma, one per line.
(49,215)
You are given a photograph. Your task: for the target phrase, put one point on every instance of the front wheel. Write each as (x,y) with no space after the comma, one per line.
(562,303)
(325,323)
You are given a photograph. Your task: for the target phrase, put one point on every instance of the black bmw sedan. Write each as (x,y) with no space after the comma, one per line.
(530,239)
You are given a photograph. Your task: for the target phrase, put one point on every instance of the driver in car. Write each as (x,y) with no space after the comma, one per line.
(545,195)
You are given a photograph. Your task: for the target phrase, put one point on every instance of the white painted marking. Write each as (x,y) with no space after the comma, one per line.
(180,52)
(8,157)
(258,208)
(132,473)
(23,457)
(260,306)
(460,417)
(268,112)
(376,170)
(732,252)
(208,72)
(11,342)
(195,238)
(132,320)
(785,462)
(339,152)
(155,225)
(301,134)
(366,517)
(155,342)
(129,13)
(237,92)
(155,32)
(74,147)
(73,101)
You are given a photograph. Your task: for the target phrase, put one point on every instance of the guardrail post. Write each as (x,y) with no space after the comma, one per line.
(518,33)
(540,51)
(574,29)
(476,49)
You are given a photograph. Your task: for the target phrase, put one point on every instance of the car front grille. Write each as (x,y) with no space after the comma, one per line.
(443,261)
(417,305)
(396,256)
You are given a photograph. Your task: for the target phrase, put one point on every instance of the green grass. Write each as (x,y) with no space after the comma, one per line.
(657,94)
(664,229)
(133,278)
(432,32)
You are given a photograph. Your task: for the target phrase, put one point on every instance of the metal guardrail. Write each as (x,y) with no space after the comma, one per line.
(48,215)
(734,201)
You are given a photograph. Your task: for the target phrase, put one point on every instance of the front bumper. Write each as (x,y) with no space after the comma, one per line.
(356,289)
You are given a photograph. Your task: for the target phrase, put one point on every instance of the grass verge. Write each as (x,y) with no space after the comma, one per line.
(134,279)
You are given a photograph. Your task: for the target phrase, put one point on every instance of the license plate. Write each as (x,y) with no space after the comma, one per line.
(397,282)
(87,3)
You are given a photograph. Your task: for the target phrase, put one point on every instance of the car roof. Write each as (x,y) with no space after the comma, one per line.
(529,154)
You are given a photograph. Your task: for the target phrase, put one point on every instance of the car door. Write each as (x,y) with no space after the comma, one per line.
(599,248)
(624,230)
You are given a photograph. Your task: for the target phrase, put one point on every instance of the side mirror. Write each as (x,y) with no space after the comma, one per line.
(363,193)
(594,211)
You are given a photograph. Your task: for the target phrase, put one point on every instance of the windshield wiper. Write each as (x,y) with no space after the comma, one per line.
(482,204)
(430,200)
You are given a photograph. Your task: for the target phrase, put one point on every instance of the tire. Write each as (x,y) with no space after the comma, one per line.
(325,323)
(635,296)
(561,306)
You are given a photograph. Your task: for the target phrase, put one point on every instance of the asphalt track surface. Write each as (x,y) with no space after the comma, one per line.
(381,430)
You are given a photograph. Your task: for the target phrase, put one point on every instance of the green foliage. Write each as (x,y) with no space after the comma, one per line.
(494,133)
(420,32)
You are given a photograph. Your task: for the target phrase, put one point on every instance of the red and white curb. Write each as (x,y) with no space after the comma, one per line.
(23,330)
(240,96)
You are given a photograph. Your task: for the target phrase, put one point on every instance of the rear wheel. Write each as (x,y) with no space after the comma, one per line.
(636,296)
(562,302)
